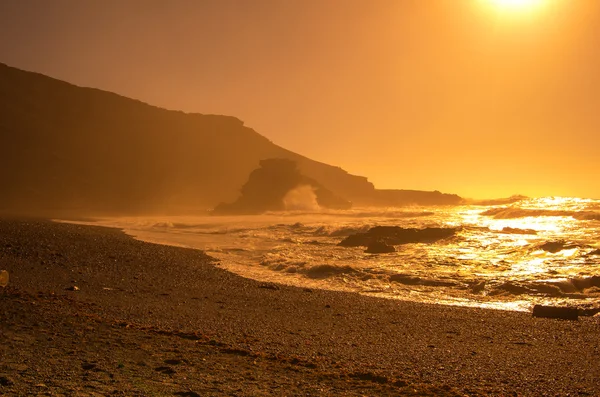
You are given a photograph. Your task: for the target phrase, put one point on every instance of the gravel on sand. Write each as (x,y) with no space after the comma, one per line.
(91,311)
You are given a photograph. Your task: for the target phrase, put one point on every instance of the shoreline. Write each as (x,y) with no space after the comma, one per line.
(289,255)
(261,335)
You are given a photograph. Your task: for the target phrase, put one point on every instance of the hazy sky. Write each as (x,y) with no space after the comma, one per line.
(463,96)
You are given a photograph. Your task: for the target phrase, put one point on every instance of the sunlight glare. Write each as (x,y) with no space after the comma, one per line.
(514,5)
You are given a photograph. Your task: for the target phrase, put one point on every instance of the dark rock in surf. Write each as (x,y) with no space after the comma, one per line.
(513,230)
(379,247)
(556,246)
(268,186)
(477,287)
(394,235)
(548,289)
(564,313)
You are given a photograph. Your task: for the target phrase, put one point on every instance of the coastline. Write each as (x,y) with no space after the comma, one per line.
(216,333)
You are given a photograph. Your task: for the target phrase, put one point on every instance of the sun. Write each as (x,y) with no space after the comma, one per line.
(515,5)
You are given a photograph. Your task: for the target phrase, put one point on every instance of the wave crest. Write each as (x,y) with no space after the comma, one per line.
(325,271)
(513,213)
(579,287)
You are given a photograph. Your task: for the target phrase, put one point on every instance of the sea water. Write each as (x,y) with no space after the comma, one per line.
(499,256)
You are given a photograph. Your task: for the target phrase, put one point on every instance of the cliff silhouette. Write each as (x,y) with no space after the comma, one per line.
(65,150)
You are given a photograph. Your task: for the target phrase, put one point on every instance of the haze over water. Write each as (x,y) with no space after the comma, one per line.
(511,256)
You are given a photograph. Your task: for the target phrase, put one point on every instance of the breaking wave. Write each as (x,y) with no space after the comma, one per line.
(532,251)
(512,213)
(302,198)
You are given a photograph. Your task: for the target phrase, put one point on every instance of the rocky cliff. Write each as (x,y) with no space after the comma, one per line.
(67,149)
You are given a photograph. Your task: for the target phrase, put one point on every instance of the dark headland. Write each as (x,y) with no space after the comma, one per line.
(90,311)
(68,150)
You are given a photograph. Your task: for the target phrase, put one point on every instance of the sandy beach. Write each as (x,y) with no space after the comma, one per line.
(91,311)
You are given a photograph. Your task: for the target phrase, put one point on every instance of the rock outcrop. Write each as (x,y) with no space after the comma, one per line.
(278,185)
(563,313)
(556,246)
(379,247)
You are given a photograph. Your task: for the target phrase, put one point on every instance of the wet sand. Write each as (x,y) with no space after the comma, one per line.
(147,319)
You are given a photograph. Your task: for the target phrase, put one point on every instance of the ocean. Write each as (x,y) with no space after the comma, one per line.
(503,255)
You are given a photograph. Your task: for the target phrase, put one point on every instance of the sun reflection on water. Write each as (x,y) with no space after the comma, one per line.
(504,256)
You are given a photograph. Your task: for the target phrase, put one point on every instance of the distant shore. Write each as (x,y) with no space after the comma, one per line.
(92,311)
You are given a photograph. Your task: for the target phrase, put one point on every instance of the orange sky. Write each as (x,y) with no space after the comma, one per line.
(455,95)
